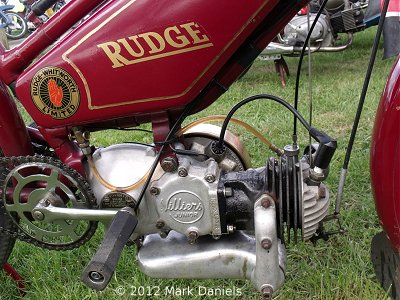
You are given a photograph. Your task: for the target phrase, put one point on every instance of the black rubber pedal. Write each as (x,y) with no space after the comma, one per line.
(101,267)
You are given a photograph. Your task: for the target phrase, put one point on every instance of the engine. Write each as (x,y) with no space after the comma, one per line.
(340,16)
(212,217)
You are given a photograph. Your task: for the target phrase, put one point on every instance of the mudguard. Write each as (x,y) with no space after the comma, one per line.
(385,158)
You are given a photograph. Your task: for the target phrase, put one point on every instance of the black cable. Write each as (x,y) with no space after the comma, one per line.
(360,107)
(365,85)
(303,50)
(267,97)
(173,130)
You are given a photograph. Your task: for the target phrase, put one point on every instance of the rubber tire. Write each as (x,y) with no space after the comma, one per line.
(22,22)
(3,39)
(6,242)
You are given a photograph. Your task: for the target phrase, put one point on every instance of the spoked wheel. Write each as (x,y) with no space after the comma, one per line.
(18,28)
(386,264)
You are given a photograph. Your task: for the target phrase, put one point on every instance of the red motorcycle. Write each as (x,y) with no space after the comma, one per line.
(190,201)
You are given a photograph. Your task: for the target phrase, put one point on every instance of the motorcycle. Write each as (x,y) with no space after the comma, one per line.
(340,17)
(190,201)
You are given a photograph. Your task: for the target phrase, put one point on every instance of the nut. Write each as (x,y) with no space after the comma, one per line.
(267,292)
(266,244)
(169,164)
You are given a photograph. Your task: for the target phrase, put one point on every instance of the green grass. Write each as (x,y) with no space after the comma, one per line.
(337,269)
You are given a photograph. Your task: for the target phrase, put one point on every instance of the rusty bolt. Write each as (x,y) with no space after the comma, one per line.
(265,203)
(169,164)
(266,244)
(267,292)
(192,237)
(154,191)
(160,224)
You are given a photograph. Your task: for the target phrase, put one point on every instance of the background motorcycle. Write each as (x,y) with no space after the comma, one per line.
(15,25)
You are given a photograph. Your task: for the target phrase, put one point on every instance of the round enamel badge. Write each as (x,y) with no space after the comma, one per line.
(55,93)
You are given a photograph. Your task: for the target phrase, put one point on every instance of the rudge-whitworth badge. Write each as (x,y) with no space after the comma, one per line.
(55,93)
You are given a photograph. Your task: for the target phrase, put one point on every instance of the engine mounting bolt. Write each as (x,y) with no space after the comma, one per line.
(154,191)
(182,172)
(38,215)
(266,244)
(266,203)
(267,292)
(96,276)
(192,237)
(169,164)
(210,178)
(160,224)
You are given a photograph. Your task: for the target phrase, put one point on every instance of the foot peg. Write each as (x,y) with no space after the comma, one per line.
(100,269)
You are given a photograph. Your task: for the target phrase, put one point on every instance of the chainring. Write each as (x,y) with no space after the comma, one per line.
(34,179)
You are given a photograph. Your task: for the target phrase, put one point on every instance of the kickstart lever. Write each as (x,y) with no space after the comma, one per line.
(101,267)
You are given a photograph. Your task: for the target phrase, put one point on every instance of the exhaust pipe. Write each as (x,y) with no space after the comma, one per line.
(259,258)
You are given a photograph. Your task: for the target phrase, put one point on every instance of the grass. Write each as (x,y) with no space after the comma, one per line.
(337,269)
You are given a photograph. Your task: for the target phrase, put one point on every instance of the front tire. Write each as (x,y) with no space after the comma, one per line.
(18,28)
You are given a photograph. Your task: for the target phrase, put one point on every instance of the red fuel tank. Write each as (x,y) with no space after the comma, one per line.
(133,57)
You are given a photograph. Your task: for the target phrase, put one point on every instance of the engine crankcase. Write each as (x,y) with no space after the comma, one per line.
(296,31)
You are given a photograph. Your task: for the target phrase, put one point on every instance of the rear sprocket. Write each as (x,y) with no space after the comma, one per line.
(32,180)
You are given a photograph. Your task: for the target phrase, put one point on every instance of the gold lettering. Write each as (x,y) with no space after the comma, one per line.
(113,50)
(194,33)
(128,47)
(183,39)
(149,37)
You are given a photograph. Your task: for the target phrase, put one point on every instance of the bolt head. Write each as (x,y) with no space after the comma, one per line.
(267,292)
(266,244)
(210,178)
(169,164)
(38,215)
(192,237)
(154,191)
(160,224)
(96,276)
(266,203)
(182,172)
